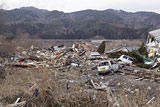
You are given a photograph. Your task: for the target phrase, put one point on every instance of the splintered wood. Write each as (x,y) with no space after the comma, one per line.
(142,74)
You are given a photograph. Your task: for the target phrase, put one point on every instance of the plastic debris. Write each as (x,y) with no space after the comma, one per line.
(36,92)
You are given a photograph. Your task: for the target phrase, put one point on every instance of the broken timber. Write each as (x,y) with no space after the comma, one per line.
(143,75)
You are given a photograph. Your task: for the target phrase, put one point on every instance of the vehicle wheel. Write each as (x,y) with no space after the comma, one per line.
(119,61)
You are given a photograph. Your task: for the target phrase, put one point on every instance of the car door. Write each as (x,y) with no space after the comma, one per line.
(125,59)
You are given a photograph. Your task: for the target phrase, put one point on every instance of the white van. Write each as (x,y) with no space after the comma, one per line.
(107,66)
(125,59)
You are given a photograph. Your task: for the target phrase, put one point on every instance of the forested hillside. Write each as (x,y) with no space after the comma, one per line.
(86,24)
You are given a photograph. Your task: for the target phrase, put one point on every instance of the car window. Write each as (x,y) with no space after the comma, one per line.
(130,59)
(103,64)
(125,57)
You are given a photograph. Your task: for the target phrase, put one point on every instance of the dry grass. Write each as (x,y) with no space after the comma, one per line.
(7,48)
(53,92)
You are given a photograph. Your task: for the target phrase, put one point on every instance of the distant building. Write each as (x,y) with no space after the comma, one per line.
(153,43)
(153,39)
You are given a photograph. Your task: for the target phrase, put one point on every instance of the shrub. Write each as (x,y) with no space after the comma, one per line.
(137,58)
(142,50)
(116,54)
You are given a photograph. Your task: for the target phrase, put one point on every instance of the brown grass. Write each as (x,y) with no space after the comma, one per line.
(53,92)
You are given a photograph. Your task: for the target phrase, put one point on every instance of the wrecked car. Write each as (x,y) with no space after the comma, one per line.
(94,56)
(125,59)
(107,66)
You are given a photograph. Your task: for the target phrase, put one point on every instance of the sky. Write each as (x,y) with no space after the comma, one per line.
(77,5)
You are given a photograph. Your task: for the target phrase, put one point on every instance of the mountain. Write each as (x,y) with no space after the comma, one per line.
(86,24)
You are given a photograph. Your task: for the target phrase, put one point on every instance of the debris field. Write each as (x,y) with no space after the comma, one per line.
(67,76)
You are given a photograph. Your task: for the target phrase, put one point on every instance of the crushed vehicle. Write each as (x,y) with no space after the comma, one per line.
(94,56)
(107,66)
(125,59)
(56,48)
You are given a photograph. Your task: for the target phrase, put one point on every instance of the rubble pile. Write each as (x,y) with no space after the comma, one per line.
(60,57)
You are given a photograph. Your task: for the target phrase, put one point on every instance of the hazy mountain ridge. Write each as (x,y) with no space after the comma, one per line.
(110,24)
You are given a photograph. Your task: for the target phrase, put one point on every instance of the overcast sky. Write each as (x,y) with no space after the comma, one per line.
(76,5)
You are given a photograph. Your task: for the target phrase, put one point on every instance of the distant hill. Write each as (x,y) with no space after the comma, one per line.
(110,24)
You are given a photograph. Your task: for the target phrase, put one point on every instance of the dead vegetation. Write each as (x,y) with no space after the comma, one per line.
(53,92)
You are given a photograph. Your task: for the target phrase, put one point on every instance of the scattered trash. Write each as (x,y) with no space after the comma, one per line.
(140,79)
(136,71)
(151,100)
(119,84)
(147,61)
(74,64)
(149,88)
(16,104)
(100,86)
(116,104)
(94,97)
(36,92)
(17,100)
